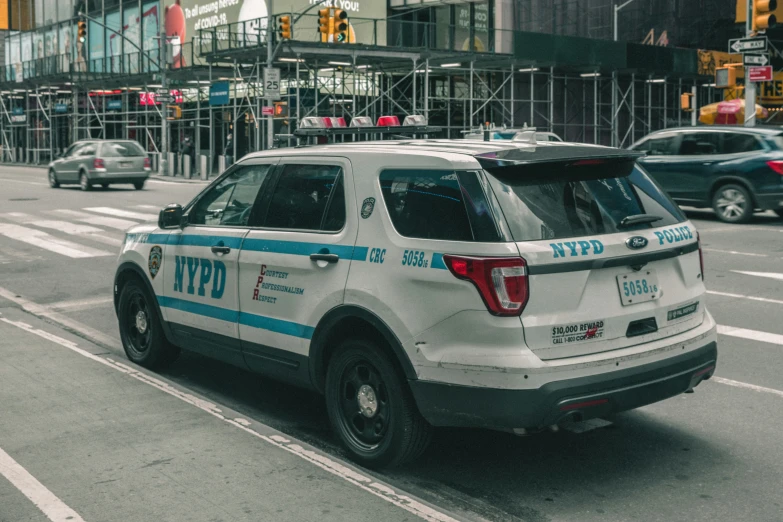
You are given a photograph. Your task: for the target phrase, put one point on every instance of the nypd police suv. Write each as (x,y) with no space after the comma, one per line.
(504,285)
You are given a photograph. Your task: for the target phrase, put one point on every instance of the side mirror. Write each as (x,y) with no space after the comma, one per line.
(171,216)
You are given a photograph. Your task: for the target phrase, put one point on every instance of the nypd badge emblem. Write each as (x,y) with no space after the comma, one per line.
(367,206)
(156,258)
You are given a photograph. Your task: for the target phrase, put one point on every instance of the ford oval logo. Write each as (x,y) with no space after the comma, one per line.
(636,242)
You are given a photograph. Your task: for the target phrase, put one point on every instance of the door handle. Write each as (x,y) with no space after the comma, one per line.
(220,249)
(329,258)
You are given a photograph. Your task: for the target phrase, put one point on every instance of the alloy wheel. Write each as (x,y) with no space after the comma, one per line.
(731,204)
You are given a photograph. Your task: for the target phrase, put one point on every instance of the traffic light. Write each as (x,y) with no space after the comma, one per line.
(284,30)
(325,23)
(763,17)
(82,31)
(341,31)
(175,112)
(686,102)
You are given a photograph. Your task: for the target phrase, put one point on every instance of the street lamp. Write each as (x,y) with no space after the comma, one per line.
(616,8)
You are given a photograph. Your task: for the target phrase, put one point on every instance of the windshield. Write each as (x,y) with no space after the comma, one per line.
(579,201)
(119,149)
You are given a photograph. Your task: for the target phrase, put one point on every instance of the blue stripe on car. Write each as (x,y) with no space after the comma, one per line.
(232,316)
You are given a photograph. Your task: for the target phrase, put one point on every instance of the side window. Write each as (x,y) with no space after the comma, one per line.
(308,197)
(230,202)
(736,142)
(72,150)
(438,204)
(699,143)
(87,150)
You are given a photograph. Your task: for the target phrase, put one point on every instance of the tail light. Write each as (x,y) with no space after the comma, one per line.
(98,163)
(777,166)
(501,281)
(701,256)
(147,163)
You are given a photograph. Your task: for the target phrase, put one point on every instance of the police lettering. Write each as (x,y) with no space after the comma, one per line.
(212,272)
(577,248)
(674,235)
(377,255)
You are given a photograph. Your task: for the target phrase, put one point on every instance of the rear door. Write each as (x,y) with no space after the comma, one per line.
(70,168)
(661,160)
(294,266)
(598,283)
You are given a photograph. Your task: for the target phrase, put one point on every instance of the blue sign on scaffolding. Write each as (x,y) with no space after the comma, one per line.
(60,108)
(218,93)
(114,105)
(17,111)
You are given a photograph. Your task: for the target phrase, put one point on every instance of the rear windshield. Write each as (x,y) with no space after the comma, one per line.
(555,201)
(121,149)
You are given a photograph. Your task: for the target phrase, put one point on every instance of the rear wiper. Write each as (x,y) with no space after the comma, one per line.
(636,219)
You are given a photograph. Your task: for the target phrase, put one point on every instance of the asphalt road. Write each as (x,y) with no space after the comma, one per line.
(203,441)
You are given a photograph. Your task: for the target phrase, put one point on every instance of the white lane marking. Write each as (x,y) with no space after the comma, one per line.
(25,182)
(19,217)
(738,228)
(734,252)
(103,221)
(49,242)
(147,207)
(118,212)
(750,297)
(368,484)
(191,182)
(740,384)
(752,335)
(51,506)
(48,313)
(74,305)
(74,229)
(771,275)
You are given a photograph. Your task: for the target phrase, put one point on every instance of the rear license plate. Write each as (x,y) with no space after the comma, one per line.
(125,164)
(638,287)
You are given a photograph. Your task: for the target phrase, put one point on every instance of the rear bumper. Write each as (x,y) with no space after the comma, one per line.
(124,177)
(580,398)
(769,201)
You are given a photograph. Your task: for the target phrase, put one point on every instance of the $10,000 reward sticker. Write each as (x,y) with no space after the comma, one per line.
(579,332)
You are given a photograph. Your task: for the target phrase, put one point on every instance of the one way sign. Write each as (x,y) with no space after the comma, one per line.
(755,59)
(744,45)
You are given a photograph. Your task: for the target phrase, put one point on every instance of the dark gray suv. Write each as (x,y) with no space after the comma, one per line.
(733,170)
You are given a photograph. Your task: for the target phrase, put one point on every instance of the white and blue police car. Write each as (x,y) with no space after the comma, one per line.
(504,285)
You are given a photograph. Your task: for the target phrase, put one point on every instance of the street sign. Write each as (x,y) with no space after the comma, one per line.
(272,83)
(161,90)
(164,98)
(267,111)
(745,45)
(755,59)
(218,93)
(760,74)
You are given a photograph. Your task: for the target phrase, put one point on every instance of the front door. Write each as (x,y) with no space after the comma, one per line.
(293,268)
(200,299)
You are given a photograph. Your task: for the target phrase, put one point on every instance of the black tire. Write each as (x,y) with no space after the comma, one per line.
(732,204)
(53,179)
(138,185)
(779,212)
(104,186)
(393,433)
(84,182)
(143,338)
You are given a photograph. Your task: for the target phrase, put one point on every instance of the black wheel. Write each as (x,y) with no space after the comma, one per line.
(104,186)
(140,329)
(53,179)
(779,212)
(84,182)
(138,185)
(371,408)
(733,204)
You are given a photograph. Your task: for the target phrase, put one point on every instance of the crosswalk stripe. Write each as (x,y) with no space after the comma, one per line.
(19,217)
(46,241)
(749,297)
(75,229)
(81,304)
(123,213)
(147,207)
(752,335)
(102,221)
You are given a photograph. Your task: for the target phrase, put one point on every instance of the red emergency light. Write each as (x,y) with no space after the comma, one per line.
(388,121)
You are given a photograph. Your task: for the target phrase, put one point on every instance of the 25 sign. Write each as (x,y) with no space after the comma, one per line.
(272,83)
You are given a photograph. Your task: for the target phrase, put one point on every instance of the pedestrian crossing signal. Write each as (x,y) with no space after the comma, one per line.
(82,31)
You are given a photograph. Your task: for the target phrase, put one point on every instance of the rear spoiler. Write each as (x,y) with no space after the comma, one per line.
(563,155)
